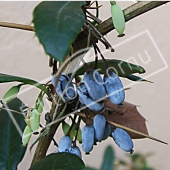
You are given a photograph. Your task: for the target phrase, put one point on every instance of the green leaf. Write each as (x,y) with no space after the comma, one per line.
(11,150)
(108,159)
(57,24)
(5,78)
(120,67)
(136,78)
(87,168)
(59,161)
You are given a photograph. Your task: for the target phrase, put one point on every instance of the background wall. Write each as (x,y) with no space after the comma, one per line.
(22,55)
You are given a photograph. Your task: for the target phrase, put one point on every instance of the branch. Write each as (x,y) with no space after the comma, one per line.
(14,111)
(45,141)
(44,144)
(130,13)
(17,26)
(106,26)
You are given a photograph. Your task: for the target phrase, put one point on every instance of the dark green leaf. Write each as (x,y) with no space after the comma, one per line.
(108,159)
(59,161)
(121,68)
(87,168)
(136,78)
(57,24)
(5,78)
(11,150)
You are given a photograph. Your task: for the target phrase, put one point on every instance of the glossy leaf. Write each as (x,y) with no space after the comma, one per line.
(5,78)
(61,23)
(59,161)
(136,78)
(108,159)
(11,149)
(121,68)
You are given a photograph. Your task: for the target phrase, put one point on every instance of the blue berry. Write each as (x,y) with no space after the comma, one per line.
(64,144)
(75,151)
(87,139)
(87,100)
(94,84)
(62,83)
(99,123)
(122,139)
(107,132)
(114,88)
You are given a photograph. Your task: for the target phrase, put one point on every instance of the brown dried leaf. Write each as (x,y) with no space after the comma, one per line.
(130,118)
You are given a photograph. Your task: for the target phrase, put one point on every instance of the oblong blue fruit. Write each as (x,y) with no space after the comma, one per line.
(88,101)
(83,89)
(94,84)
(107,131)
(99,123)
(114,88)
(122,139)
(64,144)
(75,151)
(87,139)
(62,83)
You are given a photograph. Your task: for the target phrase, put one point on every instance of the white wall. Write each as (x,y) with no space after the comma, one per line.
(22,55)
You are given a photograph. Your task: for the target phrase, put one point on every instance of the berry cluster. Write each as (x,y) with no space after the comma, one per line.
(92,92)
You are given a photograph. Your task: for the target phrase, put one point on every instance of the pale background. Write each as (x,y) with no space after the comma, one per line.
(22,55)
